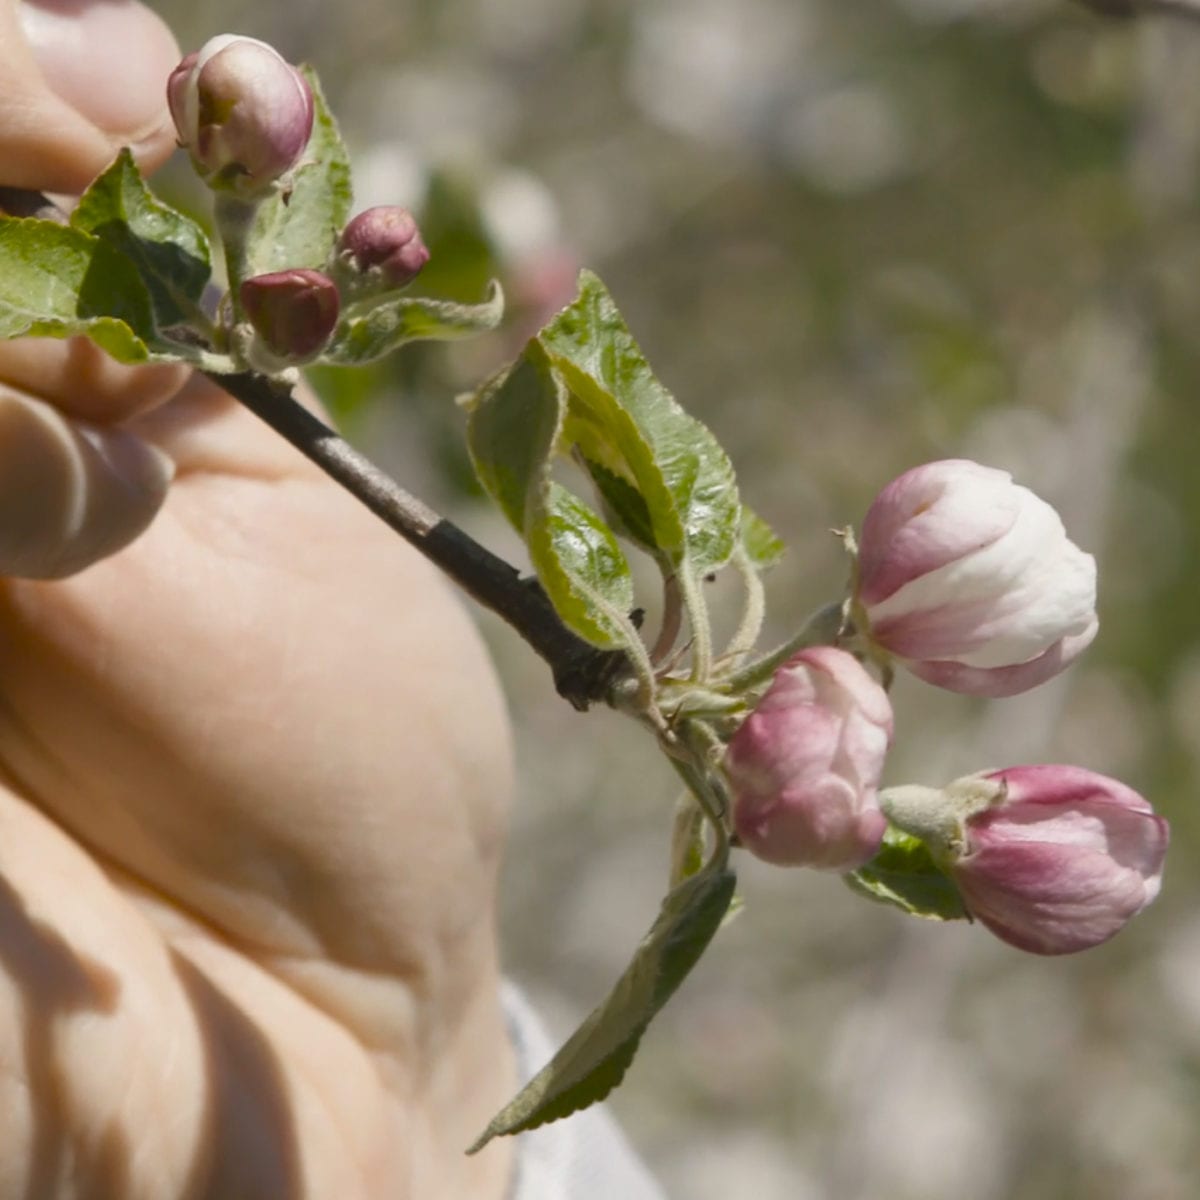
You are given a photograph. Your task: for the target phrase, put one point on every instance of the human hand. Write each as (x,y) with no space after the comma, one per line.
(254,765)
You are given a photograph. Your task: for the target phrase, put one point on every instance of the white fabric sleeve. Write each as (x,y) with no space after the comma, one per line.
(586,1156)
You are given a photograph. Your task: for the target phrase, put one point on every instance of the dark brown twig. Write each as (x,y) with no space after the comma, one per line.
(1136,8)
(582,673)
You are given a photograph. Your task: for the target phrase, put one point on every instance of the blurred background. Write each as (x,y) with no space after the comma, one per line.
(851,237)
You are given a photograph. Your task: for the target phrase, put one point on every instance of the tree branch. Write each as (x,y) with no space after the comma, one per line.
(582,673)
(1135,8)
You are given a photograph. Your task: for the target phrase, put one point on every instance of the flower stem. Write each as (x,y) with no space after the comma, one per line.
(821,629)
(698,778)
(691,592)
(234,218)
(753,611)
(671,621)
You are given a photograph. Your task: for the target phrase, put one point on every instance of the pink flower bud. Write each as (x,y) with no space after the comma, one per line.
(293,312)
(1061,860)
(243,113)
(386,238)
(805,765)
(972,581)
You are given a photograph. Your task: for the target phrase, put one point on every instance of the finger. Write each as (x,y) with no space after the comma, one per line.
(73,492)
(80,80)
(70,493)
(108,61)
(79,378)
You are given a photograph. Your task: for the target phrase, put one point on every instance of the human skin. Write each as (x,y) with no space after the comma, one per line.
(254,766)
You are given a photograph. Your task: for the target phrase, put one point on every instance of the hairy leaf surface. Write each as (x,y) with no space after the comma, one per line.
(168,249)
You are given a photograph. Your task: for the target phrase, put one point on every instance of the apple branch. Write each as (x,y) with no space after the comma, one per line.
(583,674)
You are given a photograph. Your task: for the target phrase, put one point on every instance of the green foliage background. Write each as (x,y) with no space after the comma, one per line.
(851,235)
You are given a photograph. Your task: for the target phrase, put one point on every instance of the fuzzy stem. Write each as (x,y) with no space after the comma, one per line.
(671,621)
(698,778)
(821,629)
(695,754)
(234,218)
(753,611)
(691,592)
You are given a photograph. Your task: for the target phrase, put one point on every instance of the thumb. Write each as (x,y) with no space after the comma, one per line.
(70,492)
(80,79)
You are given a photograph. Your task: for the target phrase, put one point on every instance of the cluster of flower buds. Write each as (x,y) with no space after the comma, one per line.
(246,116)
(964,577)
(294,313)
(971,582)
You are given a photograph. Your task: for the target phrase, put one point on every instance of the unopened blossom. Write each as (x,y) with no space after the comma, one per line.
(384,239)
(971,580)
(804,767)
(243,113)
(293,312)
(1052,859)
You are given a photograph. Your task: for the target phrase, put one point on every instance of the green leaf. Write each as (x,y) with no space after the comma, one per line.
(580,564)
(595,1058)
(763,547)
(512,432)
(682,475)
(904,875)
(624,506)
(168,249)
(513,423)
(56,281)
(387,324)
(299,228)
